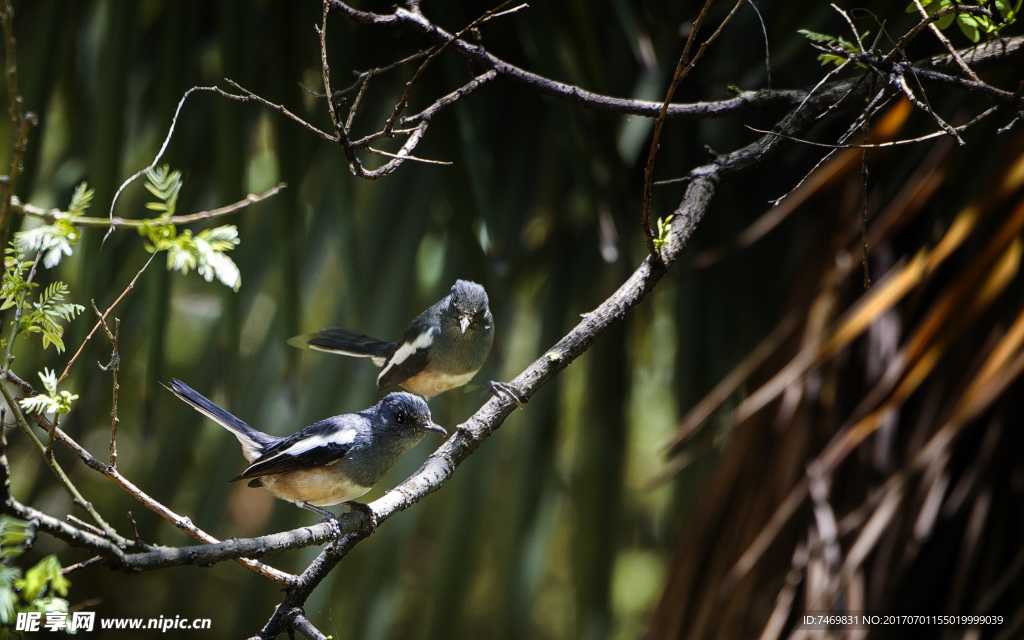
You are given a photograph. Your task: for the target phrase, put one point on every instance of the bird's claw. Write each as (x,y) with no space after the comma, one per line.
(505,389)
(335,525)
(328,516)
(371,517)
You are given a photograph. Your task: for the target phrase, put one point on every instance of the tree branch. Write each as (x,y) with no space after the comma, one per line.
(980,57)
(52,215)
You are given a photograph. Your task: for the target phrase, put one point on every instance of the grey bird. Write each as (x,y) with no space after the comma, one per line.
(331,462)
(442,348)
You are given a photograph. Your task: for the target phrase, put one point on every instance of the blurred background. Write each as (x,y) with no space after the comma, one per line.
(577,519)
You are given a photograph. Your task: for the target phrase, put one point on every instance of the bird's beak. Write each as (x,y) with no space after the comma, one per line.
(436,428)
(464,323)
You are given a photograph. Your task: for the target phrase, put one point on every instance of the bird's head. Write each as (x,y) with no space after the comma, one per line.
(469,306)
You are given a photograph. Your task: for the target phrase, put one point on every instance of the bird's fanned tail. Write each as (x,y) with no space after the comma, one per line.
(254,442)
(347,343)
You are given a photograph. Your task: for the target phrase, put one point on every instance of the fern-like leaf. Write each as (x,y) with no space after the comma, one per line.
(165,185)
(80,200)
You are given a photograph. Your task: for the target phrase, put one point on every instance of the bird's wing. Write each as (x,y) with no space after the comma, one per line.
(412,356)
(314,446)
(349,343)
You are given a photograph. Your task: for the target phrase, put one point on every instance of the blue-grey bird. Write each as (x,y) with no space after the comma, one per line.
(442,348)
(331,462)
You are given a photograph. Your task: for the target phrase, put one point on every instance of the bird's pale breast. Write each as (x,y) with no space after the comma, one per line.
(431,382)
(319,486)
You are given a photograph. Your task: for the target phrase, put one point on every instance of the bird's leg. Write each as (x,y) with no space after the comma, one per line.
(365,509)
(328,516)
(505,389)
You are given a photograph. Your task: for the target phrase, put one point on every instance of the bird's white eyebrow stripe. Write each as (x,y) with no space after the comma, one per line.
(422,341)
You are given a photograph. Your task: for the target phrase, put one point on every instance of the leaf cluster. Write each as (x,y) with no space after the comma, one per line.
(51,401)
(972,26)
(47,313)
(833,42)
(42,588)
(664,232)
(13,285)
(204,252)
(57,239)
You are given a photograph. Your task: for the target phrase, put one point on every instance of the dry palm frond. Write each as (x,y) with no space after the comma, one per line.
(876,462)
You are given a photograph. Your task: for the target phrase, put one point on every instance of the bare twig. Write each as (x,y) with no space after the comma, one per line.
(882,145)
(363,83)
(112,366)
(99,323)
(249,96)
(767,53)
(297,620)
(27,121)
(404,100)
(407,157)
(928,21)
(159,154)
(325,69)
(946,43)
(135,528)
(900,81)
(52,215)
(82,524)
(81,565)
(450,98)
(853,29)
(682,67)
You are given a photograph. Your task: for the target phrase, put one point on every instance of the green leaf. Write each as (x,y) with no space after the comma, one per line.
(13,532)
(204,252)
(47,311)
(832,41)
(814,36)
(222,238)
(46,574)
(8,602)
(165,185)
(80,200)
(51,401)
(969,26)
(664,232)
(49,379)
(50,604)
(54,240)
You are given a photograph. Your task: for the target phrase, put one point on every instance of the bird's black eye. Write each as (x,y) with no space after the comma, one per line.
(400,418)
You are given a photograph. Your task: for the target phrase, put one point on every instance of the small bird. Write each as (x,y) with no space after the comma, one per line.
(443,347)
(331,462)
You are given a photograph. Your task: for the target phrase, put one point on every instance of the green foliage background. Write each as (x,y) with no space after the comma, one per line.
(552,529)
